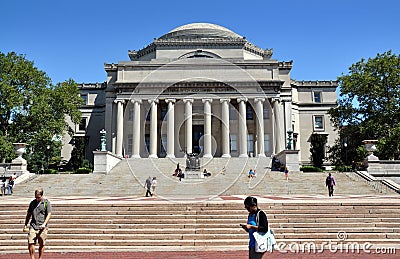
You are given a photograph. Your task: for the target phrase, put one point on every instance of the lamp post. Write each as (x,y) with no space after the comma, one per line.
(289,144)
(345,150)
(103,140)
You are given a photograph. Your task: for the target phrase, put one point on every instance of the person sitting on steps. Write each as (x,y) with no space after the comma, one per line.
(205,173)
(252,174)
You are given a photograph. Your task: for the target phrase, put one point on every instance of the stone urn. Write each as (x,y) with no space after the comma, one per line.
(20,149)
(370,146)
(19,165)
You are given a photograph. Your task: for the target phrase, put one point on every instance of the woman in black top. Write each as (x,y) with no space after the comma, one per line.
(254,224)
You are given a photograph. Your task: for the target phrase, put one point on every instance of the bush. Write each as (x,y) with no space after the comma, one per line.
(310,169)
(341,168)
(50,171)
(83,170)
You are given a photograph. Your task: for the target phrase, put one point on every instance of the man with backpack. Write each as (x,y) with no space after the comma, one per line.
(330,182)
(39,213)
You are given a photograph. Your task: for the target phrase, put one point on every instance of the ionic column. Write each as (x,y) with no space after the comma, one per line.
(171,128)
(136,128)
(260,125)
(242,127)
(109,126)
(120,126)
(225,127)
(277,124)
(153,128)
(207,128)
(271,102)
(189,125)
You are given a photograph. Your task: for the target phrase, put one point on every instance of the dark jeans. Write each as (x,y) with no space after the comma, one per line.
(330,189)
(253,254)
(148,192)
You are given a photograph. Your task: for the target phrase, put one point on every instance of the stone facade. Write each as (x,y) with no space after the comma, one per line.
(202,88)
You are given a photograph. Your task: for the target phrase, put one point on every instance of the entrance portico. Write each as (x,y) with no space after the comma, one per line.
(224,127)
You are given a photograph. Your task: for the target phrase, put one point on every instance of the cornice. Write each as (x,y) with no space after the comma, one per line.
(285,64)
(316,83)
(184,43)
(92,86)
(267,53)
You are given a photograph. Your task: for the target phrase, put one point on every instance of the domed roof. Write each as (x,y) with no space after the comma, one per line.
(200,31)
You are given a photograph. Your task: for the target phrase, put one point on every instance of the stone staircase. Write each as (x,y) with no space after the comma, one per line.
(115,225)
(128,177)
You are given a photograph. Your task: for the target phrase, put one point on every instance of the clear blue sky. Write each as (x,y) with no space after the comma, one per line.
(74,38)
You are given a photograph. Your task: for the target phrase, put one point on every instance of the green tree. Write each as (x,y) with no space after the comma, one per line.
(78,153)
(33,110)
(369,105)
(317,149)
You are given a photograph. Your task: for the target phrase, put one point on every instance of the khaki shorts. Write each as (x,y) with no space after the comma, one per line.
(37,235)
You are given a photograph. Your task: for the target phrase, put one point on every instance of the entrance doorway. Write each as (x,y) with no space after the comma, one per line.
(198,133)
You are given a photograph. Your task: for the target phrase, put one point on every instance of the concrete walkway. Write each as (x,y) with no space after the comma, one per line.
(210,255)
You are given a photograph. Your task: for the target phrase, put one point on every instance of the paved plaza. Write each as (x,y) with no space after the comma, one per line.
(204,255)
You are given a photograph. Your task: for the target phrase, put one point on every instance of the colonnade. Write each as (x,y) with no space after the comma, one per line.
(188,117)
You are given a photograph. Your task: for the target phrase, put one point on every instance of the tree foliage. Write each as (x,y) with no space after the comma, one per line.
(317,149)
(33,110)
(369,105)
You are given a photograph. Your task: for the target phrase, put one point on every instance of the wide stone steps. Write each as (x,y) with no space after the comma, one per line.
(128,177)
(201,226)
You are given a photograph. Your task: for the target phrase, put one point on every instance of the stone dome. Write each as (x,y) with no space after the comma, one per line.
(201,31)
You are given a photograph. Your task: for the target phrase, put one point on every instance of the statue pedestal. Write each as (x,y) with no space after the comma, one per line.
(104,161)
(19,166)
(290,158)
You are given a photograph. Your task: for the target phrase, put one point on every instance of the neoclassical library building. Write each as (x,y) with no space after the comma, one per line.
(202,88)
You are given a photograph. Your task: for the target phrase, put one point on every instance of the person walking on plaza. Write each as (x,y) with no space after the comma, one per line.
(39,213)
(330,182)
(147,185)
(154,185)
(286,173)
(256,222)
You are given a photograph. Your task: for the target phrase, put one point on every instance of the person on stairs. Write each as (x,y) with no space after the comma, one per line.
(39,213)
(330,182)
(147,185)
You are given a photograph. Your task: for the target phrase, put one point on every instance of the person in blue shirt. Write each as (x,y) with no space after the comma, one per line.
(250,203)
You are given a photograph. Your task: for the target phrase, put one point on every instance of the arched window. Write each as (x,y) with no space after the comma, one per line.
(199,54)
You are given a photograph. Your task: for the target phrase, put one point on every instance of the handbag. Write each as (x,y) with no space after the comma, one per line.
(264,241)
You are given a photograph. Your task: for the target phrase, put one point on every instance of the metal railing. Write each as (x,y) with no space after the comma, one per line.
(376,184)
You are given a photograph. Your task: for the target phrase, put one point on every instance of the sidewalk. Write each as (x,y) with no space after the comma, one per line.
(202,255)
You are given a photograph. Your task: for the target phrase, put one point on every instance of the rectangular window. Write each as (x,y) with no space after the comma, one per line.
(148,115)
(266,144)
(130,144)
(249,112)
(131,114)
(317,97)
(318,123)
(233,113)
(147,140)
(233,142)
(84,99)
(163,112)
(163,144)
(82,125)
(266,113)
(250,144)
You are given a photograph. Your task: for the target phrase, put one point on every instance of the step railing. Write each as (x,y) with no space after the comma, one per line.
(376,184)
